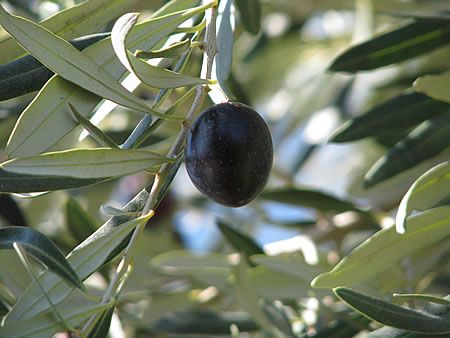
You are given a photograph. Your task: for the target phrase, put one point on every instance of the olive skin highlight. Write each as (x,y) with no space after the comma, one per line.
(229,153)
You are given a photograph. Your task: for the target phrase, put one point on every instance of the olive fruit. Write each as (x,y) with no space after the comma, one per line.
(229,153)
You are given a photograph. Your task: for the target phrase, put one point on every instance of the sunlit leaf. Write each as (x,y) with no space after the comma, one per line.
(27,74)
(151,75)
(82,19)
(427,191)
(394,315)
(84,259)
(225,41)
(427,140)
(410,40)
(86,163)
(44,325)
(42,248)
(45,121)
(387,247)
(434,86)
(69,63)
(22,183)
(173,51)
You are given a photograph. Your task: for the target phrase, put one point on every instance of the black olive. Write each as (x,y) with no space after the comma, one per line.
(229,153)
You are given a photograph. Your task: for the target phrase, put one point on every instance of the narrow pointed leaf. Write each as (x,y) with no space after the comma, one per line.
(394,315)
(69,63)
(10,211)
(95,132)
(250,11)
(27,74)
(82,19)
(423,297)
(426,192)
(173,51)
(387,247)
(435,86)
(23,183)
(42,248)
(308,198)
(45,121)
(44,325)
(410,40)
(397,114)
(101,328)
(86,258)
(151,75)
(86,163)
(426,141)
(81,225)
(225,39)
(240,241)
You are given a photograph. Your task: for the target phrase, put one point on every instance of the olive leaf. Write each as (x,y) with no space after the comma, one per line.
(24,183)
(397,114)
(82,19)
(427,191)
(387,247)
(42,248)
(175,50)
(45,121)
(80,224)
(394,315)
(10,211)
(86,163)
(69,63)
(409,40)
(425,141)
(150,75)
(85,259)
(225,39)
(27,74)
(44,325)
(240,241)
(250,11)
(101,327)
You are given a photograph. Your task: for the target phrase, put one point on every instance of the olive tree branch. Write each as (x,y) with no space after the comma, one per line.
(177,147)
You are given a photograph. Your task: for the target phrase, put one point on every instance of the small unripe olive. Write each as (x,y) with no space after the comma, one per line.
(229,153)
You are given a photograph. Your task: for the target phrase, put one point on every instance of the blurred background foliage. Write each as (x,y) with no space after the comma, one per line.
(320,202)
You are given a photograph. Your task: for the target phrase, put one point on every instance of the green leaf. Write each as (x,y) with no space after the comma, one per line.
(45,121)
(240,241)
(410,40)
(86,163)
(225,40)
(82,19)
(394,315)
(426,298)
(387,247)
(308,198)
(101,328)
(44,325)
(175,50)
(204,322)
(435,86)
(42,248)
(96,133)
(427,191)
(81,225)
(397,114)
(426,141)
(22,183)
(151,75)
(84,259)
(27,74)
(250,11)
(69,63)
